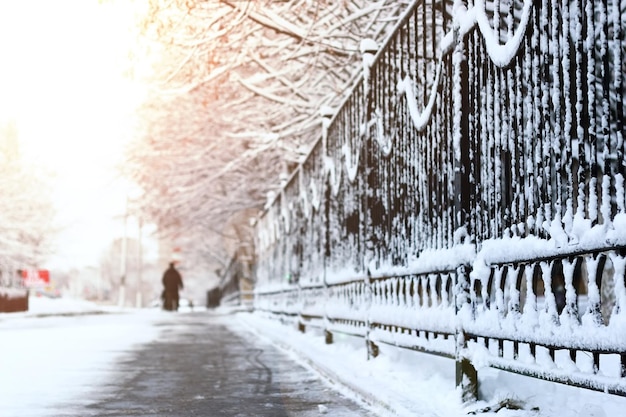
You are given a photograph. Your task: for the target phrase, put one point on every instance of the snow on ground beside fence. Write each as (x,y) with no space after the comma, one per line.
(406,383)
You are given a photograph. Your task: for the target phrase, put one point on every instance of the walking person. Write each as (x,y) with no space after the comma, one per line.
(172,282)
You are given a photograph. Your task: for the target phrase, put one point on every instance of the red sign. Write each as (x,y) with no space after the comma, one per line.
(35,277)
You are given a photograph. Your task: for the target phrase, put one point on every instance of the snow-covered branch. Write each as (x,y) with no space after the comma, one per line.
(225,71)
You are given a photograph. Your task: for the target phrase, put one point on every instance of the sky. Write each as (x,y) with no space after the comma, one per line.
(63,81)
(80,354)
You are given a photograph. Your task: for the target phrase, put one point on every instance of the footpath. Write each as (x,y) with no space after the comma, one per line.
(203,365)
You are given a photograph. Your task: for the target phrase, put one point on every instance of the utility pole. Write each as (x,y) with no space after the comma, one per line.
(138,299)
(123,255)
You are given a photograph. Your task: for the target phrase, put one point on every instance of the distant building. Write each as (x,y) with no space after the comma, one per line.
(9,143)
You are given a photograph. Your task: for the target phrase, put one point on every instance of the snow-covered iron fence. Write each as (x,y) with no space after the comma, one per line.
(227,291)
(234,288)
(468,198)
(556,317)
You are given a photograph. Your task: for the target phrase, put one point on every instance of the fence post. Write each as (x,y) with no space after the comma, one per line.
(368,48)
(328,335)
(466,376)
(372,348)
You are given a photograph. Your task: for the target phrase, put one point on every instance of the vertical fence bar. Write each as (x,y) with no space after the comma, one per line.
(466,376)
(372,349)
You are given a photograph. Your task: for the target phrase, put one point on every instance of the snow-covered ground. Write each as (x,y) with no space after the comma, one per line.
(44,358)
(47,359)
(416,384)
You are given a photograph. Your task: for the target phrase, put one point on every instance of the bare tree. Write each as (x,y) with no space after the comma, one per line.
(237,89)
(26,232)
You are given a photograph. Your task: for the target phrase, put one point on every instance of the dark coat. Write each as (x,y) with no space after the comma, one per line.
(172,281)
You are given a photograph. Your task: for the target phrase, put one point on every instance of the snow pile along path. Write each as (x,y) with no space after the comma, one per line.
(403,383)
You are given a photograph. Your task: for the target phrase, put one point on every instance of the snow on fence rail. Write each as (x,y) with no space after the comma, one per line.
(468,197)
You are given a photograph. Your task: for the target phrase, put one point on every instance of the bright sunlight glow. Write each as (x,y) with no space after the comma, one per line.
(65,81)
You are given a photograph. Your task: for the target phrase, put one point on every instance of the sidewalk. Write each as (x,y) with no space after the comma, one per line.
(206,364)
(149,363)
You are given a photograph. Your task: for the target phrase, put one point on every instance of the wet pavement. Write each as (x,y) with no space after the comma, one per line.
(200,366)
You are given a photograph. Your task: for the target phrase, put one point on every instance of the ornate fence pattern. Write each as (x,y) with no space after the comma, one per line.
(467,199)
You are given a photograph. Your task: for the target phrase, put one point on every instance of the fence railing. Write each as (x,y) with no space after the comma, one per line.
(468,197)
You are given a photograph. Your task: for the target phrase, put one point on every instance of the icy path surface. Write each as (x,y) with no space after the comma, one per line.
(202,365)
(155,363)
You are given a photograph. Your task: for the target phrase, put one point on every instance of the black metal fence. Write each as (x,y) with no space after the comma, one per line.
(468,196)
(234,288)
